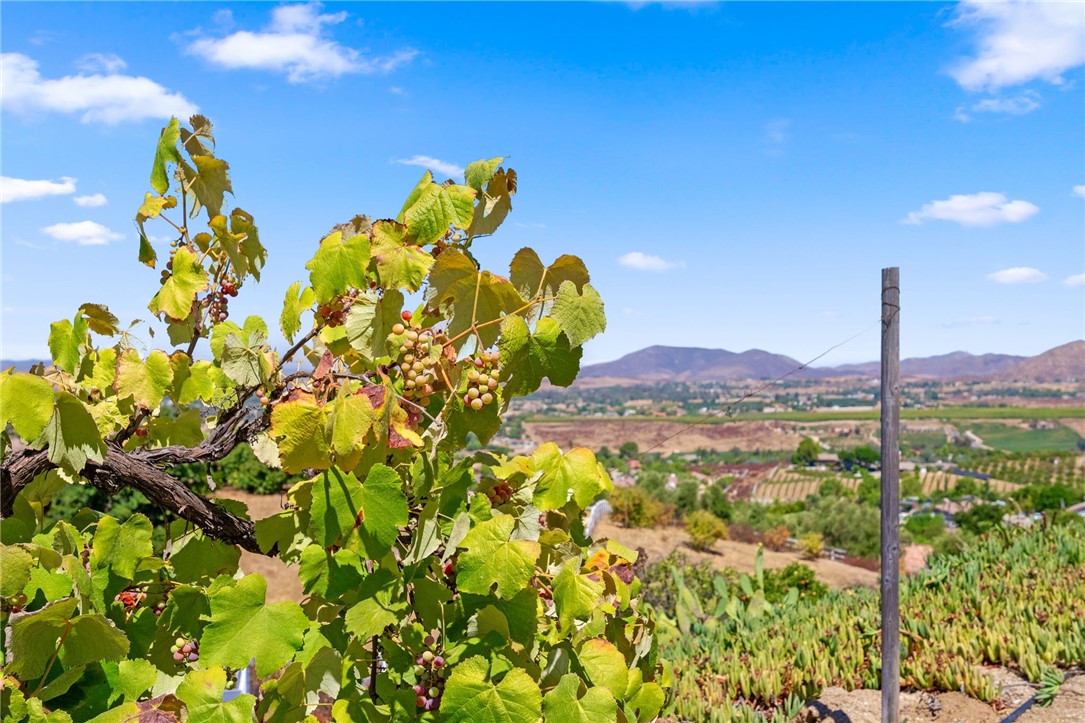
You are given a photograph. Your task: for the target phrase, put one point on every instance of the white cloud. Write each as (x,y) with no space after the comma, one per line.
(1020,104)
(976,209)
(971,321)
(1075,280)
(94,199)
(101,63)
(433,164)
(1018,275)
(84,233)
(20,189)
(647,262)
(1017,42)
(295,43)
(1079,191)
(106,99)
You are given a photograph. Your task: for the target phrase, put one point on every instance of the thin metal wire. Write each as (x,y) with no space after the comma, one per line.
(729,408)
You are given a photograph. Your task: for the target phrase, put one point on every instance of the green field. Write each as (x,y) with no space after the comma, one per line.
(1013,439)
(944,413)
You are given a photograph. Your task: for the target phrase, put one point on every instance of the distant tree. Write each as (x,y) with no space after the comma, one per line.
(629,449)
(715,501)
(965,487)
(980,518)
(869,490)
(806,454)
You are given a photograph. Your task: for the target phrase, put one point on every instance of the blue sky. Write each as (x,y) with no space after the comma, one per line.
(735,175)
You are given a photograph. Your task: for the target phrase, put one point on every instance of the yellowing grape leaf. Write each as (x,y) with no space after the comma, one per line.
(605,665)
(244,228)
(297,301)
(532,279)
(66,341)
(562,704)
(145,381)
(473,298)
(299,427)
(338,265)
(26,402)
(352,420)
(494,204)
(472,697)
(210,184)
(100,319)
(370,321)
(400,264)
(432,208)
(577,474)
(165,153)
(178,292)
(491,558)
(479,173)
(580,316)
(575,595)
(72,435)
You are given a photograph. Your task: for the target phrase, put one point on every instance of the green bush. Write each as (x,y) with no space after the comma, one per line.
(811,545)
(778,583)
(704,529)
(925,529)
(633,507)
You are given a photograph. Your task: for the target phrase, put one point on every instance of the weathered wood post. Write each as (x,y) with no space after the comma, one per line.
(890,498)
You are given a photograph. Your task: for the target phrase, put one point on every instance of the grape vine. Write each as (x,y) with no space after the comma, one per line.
(440,585)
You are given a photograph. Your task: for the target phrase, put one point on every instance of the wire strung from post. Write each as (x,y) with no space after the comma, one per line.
(729,408)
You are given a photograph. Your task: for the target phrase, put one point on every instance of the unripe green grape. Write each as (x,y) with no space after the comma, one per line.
(476,404)
(473,392)
(472,376)
(483,379)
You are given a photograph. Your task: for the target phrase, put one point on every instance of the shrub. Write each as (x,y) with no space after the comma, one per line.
(704,529)
(740,532)
(633,507)
(778,583)
(811,545)
(776,538)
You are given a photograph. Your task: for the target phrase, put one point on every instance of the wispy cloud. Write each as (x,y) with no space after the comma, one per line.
(976,209)
(94,199)
(1075,280)
(83,233)
(1018,42)
(108,98)
(107,63)
(21,189)
(776,134)
(971,321)
(1020,104)
(433,164)
(296,44)
(1079,191)
(1018,275)
(647,262)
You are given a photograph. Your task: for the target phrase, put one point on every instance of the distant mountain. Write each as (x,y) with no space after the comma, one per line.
(1063,363)
(685,364)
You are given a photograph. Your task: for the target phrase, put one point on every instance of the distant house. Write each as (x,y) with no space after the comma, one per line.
(1078,509)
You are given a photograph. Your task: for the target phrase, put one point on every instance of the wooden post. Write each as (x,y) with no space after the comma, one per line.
(890,495)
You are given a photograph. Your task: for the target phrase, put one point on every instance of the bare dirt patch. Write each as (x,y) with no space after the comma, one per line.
(597,433)
(282,579)
(1077,424)
(658,543)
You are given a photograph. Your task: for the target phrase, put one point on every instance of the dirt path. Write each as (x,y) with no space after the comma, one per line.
(726,553)
(282,579)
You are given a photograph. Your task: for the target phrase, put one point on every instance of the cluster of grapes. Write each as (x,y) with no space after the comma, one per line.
(18,602)
(431,672)
(185,651)
(416,363)
(131,599)
(261,396)
(334,313)
(218,301)
(482,380)
(499,494)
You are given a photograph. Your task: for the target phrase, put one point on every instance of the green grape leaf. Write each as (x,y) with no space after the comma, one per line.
(461,419)
(370,321)
(532,279)
(381,603)
(577,472)
(146,382)
(492,558)
(26,402)
(245,359)
(575,595)
(400,264)
(435,208)
(243,626)
(384,511)
(93,638)
(299,427)
(527,358)
(129,679)
(66,342)
(15,564)
(335,508)
(147,254)
(474,298)
(253,325)
(329,575)
(185,430)
(297,301)
(120,547)
(201,692)
(72,435)
(33,638)
(178,292)
(100,319)
(353,418)
(604,665)
(647,702)
(562,704)
(198,558)
(580,316)
(165,153)
(338,265)
(199,381)
(494,204)
(103,371)
(243,225)
(471,697)
(479,173)
(211,184)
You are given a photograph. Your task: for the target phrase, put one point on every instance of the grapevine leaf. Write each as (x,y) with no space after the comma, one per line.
(400,264)
(211,183)
(494,204)
(297,301)
(335,508)
(244,360)
(200,141)
(146,382)
(93,638)
(381,604)
(33,638)
(533,280)
(491,558)
(15,563)
(471,697)
(604,665)
(26,402)
(647,701)
(175,297)
(300,429)
(120,547)
(577,474)
(151,208)
(479,173)
(370,321)
(60,684)
(253,325)
(185,430)
(384,511)
(243,226)
(527,358)
(129,679)
(575,595)
(580,316)
(100,319)
(561,705)
(166,152)
(147,254)
(201,691)
(435,209)
(352,420)
(198,558)
(72,435)
(66,342)
(483,423)
(329,575)
(474,298)
(338,265)
(199,381)
(243,626)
